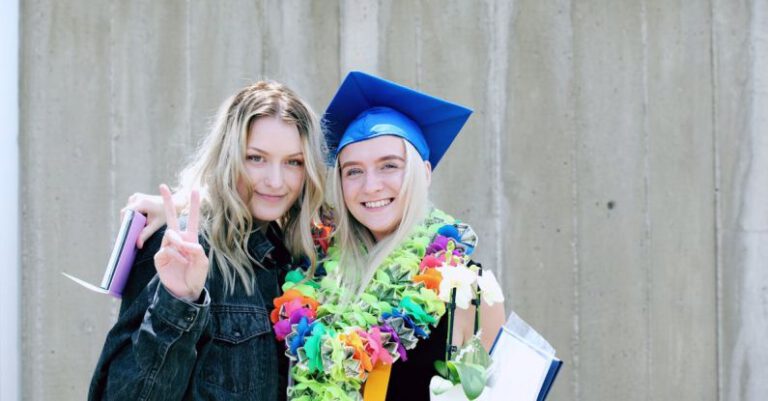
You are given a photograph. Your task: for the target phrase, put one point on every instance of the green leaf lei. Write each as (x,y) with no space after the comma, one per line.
(332,345)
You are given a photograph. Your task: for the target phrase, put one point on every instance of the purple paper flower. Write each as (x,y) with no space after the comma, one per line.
(438,244)
(284,326)
(385,328)
(297,314)
(282,329)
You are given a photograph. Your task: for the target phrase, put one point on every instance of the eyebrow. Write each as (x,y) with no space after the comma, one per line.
(266,153)
(379,160)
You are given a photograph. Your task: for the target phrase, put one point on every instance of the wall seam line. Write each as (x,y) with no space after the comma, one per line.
(647,224)
(717,203)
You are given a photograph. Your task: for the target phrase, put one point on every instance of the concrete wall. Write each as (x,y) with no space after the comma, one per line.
(10,286)
(616,165)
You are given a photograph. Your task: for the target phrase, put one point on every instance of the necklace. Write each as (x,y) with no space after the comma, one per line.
(334,345)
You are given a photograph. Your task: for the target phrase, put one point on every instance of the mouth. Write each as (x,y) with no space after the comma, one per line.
(269,197)
(378,204)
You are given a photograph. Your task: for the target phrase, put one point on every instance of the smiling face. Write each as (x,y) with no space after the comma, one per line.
(372,173)
(274,169)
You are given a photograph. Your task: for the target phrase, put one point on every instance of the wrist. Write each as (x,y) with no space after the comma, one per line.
(192,296)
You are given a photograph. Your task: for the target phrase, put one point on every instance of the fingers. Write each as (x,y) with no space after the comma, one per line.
(193,224)
(143,236)
(176,248)
(191,248)
(170,210)
(136,201)
(147,231)
(172,238)
(164,256)
(146,204)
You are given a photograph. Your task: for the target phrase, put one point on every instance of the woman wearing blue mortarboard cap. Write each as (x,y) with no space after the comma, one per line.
(397,290)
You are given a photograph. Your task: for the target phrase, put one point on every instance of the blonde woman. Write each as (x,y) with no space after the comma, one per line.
(384,285)
(193,322)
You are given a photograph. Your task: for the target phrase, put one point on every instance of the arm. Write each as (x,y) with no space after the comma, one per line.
(492,315)
(491,319)
(151,352)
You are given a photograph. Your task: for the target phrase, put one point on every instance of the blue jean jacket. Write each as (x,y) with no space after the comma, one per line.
(220,348)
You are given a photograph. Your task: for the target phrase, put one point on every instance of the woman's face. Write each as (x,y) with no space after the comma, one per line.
(274,164)
(372,174)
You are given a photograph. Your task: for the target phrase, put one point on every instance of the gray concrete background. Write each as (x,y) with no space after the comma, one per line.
(616,166)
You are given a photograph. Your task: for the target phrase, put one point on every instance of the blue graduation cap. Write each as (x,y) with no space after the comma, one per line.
(366,106)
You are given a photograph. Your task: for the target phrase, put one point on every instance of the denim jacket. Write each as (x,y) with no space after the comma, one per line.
(220,348)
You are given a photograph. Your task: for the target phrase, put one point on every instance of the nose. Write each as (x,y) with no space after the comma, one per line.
(373,183)
(274,176)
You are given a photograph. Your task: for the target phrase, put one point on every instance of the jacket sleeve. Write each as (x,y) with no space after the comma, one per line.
(151,351)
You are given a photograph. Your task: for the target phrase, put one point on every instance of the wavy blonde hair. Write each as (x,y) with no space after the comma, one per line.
(360,254)
(218,164)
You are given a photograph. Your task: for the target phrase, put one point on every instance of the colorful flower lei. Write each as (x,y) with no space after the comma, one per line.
(334,346)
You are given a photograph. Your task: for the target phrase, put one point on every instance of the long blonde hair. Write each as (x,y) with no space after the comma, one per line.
(360,254)
(218,164)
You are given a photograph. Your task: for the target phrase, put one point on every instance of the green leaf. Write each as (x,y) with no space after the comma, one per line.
(368,298)
(330,265)
(473,352)
(305,289)
(370,320)
(358,317)
(294,276)
(453,373)
(384,307)
(382,276)
(472,379)
(441,368)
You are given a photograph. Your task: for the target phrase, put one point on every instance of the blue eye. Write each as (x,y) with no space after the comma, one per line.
(254,158)
(390,166)
(353,171)
(296,162)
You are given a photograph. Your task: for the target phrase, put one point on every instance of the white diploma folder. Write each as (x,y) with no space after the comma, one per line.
(524,364)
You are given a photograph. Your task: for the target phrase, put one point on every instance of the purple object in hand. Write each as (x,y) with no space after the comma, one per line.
(123,254)
(121,260)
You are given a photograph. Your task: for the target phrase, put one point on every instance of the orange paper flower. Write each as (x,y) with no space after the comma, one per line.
(430,277)
(353,340)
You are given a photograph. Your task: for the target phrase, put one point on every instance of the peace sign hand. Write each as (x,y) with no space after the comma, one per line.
(181,261)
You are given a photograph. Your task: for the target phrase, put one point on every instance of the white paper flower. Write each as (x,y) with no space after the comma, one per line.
(490,288)
(460,278)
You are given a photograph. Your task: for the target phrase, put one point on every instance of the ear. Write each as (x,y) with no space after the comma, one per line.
(428,167)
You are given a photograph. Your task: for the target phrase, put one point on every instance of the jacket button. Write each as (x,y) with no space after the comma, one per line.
(236,334)
(190,317)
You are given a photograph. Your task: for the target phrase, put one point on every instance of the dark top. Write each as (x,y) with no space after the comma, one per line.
(409,379)
(220,348)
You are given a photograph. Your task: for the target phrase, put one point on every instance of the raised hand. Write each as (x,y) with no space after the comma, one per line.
(152,207)
(181,261)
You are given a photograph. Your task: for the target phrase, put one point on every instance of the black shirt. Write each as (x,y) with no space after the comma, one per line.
(409,379)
